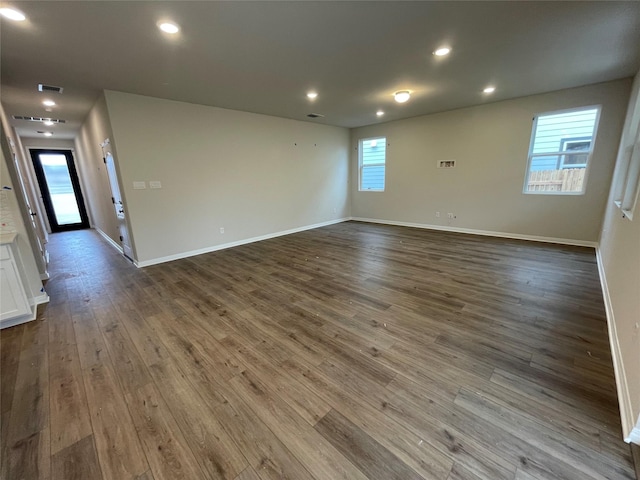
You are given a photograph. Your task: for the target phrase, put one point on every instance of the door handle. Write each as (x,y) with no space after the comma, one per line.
(33,214)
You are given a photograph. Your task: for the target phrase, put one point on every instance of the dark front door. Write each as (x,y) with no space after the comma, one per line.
(60,189)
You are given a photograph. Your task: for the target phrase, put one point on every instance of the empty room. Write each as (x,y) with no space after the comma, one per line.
(323,240)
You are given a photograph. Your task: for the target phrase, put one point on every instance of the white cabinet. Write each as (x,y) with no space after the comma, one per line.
(14,303)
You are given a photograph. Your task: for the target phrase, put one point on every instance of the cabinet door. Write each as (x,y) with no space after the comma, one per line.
(13,301)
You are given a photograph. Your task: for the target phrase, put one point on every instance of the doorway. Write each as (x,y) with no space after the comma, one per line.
(60,189)
(116,198)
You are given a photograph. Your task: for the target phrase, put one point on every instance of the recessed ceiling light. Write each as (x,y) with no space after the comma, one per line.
(379,113)
(169,27)
(12,14)
(489,90)
(48,103)
(48,123)
(442,51)
(312,95)
(402,96)
(48,134)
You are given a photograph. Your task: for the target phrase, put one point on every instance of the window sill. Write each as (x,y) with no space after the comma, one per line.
(628,214)
(557,194)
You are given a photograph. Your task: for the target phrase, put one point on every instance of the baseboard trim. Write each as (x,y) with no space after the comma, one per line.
(634,435)
(109,240)
(39,300)
(486,233)
(178,256)
(630,432)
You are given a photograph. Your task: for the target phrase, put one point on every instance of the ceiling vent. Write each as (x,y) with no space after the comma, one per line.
(315,115)
(49,88)
(38,119)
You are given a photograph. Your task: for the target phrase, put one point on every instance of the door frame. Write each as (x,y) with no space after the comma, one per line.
(46,195)
(117,200)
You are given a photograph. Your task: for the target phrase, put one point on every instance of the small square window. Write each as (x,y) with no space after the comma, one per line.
(560,149)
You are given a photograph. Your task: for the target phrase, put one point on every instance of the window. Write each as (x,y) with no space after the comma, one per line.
(561,146)
(372,154)
(627,183)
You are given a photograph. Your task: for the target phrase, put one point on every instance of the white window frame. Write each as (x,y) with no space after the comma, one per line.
(560,153)
(569,141)
(628,187)
(361,166)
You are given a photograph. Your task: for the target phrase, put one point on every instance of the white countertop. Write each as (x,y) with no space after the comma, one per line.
(7,238)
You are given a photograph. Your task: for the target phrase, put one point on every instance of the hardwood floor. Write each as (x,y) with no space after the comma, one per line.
(354,351)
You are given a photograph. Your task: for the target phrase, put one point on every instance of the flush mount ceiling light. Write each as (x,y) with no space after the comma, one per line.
(48,123)
(402,96)
(379,113)
(169,27)
(48,103)
(48,134)
(442,51)
(489,89)
(312,95)
(12,14)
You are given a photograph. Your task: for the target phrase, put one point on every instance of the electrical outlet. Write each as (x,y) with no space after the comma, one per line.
(437,214)
(335,210)
(450,215)
(221,229)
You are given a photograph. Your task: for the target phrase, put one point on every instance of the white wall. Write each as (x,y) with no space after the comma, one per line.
(92,170)
(620,264)
(45,142)
(253,175)
(490,144)
(11,206)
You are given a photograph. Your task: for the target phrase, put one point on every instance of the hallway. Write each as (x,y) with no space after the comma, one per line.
(352,351)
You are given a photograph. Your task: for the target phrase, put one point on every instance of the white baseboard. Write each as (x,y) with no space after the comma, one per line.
(487,233)
(109,240)
(634,435)
(631,433)
(178,256)
(45,276)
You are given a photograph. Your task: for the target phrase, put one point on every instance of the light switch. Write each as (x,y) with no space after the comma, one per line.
(139,185)
(155,184)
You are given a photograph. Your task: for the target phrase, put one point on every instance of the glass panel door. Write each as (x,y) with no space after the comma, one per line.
(60,189)
(63,199)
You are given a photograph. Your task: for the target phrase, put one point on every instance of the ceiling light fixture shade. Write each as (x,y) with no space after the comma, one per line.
(442,51)
(379,113)
(489,89)
(402,96)
(312,95)
(12,14)
(169,27)
(48,103)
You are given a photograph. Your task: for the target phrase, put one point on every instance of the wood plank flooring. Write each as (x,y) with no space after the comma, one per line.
(354,351)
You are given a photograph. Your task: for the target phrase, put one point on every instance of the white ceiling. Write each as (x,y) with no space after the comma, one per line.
(264,56)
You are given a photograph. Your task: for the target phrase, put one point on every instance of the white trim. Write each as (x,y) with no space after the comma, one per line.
(29,317)
(178,256)
(39,300)
(486,233)
(109,240)
(634,435)
(45,276)
(630,433)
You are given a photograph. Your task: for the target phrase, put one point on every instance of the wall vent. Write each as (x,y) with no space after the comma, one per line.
(49,88)
(446,163)
(315,115)
(37,119)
